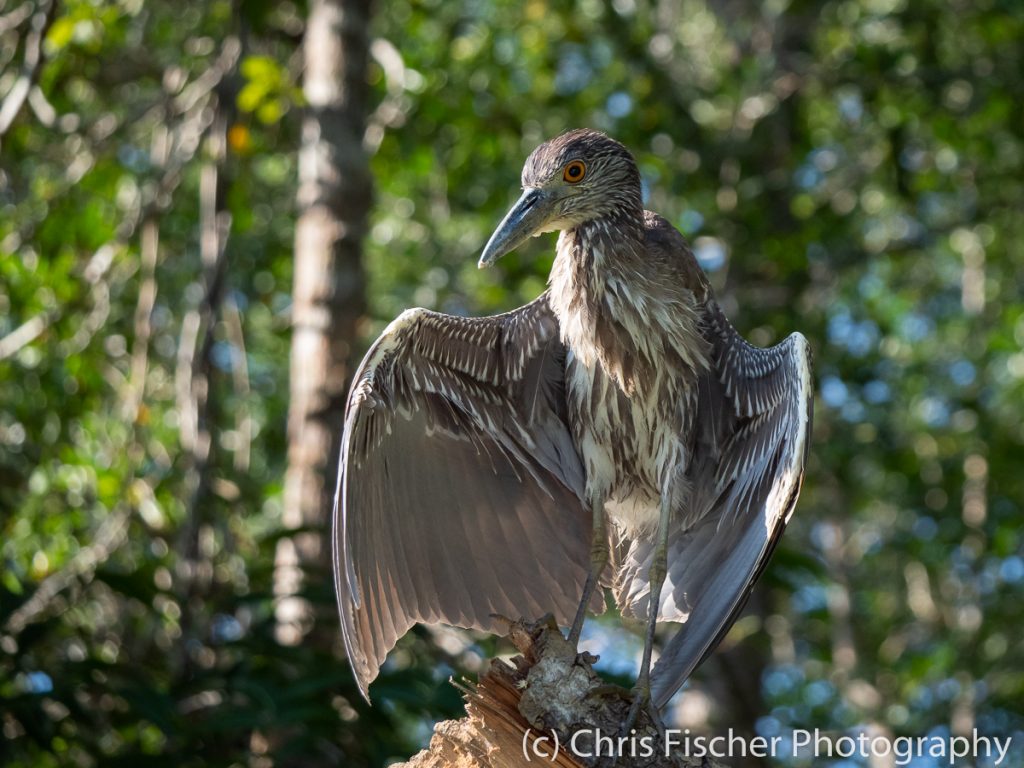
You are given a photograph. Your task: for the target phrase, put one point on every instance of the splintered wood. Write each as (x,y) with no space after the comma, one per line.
(528,712)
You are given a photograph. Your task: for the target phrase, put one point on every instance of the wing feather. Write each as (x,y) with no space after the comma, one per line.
(754,421)
(459,490)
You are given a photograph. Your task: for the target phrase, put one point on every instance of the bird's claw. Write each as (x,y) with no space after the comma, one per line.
(642,701)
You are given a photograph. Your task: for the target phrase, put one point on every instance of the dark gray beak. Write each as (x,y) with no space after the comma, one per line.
(532,211)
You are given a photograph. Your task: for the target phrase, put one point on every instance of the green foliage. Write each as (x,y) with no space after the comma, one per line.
(848,168)
(267,90)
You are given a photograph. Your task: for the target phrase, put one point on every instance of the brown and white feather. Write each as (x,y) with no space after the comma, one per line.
(473,447)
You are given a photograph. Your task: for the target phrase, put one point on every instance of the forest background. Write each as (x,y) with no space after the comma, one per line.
(208,209)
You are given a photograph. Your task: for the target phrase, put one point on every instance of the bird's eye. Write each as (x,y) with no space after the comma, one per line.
(574,171)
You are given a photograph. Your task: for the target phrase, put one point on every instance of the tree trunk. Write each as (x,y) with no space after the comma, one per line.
(333,200)
(528,712)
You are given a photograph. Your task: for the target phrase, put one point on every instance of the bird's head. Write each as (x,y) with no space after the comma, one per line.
(570,180)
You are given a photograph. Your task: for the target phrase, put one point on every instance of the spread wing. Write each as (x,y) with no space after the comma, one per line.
(459,487)
(750,443)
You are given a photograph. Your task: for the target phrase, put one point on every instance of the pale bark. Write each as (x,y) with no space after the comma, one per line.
(333,199)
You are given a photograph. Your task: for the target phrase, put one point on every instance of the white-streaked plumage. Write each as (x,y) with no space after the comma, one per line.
(474,447)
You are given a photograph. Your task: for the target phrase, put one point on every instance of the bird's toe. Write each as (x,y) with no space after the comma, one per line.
(642,702)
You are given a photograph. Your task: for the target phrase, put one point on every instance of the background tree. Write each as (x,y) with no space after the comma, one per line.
(851,168)
(334,199)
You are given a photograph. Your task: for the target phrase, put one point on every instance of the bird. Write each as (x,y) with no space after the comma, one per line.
(615,433)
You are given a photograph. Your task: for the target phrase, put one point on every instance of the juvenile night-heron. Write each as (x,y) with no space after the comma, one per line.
(499,465)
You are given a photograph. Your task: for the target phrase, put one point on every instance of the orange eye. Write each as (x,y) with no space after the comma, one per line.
(574,171)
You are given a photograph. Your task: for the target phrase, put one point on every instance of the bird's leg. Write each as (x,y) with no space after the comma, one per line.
(598,561)
(656,579)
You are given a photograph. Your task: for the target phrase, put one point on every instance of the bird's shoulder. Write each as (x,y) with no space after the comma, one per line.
(422,344)
(670,252)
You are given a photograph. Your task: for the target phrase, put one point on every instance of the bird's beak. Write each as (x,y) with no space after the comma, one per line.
(528,216)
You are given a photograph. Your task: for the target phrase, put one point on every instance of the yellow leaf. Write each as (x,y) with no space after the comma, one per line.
(60,34)
(250,96)
(270,111)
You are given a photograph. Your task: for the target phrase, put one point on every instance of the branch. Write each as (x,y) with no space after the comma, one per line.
(517,710)
(149,249)
(171,152)
(181,147)
(33,328)
(14,19)
(240,381)
(23,335)
(111,534)
(33,56)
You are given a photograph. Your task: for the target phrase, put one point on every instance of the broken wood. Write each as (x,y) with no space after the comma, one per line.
(529,710)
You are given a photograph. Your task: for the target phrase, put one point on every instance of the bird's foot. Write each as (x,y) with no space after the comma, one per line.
(641,695)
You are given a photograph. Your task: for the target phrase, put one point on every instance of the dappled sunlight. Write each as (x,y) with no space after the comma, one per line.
(851,169)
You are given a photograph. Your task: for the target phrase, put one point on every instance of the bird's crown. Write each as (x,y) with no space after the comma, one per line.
(574,157)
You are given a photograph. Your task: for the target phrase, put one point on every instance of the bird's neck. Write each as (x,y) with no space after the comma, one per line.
(594,260)
(622,308)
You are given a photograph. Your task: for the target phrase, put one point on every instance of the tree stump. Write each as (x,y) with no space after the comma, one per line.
(528,712)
